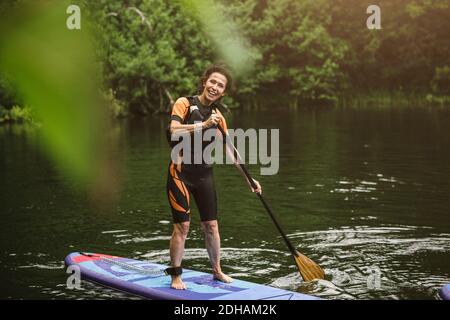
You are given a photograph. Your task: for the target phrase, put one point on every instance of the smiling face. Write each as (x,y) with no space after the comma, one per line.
(214,87)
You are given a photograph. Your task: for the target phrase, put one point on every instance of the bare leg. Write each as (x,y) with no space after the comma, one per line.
(212,240)
(179,234)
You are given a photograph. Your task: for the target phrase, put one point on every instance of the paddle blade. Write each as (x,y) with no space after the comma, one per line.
(309,270)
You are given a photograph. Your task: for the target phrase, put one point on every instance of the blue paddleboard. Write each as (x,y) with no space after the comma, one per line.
(147,280)
(445,292)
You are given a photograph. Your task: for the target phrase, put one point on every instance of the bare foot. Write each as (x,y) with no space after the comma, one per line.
(177,283)
(222,277)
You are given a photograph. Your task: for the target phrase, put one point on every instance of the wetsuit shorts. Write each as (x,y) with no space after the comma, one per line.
(184,180)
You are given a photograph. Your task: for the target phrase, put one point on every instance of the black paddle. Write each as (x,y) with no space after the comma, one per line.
(309,270)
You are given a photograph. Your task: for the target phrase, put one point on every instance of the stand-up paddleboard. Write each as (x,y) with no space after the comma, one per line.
(148,280)
(445,292)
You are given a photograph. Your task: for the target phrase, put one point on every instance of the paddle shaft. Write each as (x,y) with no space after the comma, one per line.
(269,211)
(254,186)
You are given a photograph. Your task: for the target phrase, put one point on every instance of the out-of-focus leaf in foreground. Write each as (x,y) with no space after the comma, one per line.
(231,46)
(53,69)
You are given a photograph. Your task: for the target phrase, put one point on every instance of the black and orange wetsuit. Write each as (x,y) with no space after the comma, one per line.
(197,179)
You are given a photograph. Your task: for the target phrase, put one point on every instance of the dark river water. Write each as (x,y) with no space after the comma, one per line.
(365,193)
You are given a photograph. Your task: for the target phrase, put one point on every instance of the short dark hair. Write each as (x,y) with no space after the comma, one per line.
(219,68)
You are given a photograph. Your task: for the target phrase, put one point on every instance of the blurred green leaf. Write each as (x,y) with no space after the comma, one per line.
(53,69)
(231,45)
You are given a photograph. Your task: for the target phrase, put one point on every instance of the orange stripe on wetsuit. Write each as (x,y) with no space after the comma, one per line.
(177,192)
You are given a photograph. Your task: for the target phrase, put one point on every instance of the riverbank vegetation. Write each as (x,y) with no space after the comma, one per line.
(297,53)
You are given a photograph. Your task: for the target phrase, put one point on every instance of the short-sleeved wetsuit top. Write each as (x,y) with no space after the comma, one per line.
(184,179)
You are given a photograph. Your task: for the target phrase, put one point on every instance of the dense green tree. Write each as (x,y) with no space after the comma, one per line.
(152,51)
(299,58)
(413,41)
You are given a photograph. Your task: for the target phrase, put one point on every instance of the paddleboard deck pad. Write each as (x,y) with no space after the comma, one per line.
(147,279)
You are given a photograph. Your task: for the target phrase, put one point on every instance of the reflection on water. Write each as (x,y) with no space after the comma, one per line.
(363,193)
(379,262)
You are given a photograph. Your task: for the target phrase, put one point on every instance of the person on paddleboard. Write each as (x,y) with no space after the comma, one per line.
(191,115)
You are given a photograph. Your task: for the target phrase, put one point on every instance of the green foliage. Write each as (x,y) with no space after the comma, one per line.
(294,50)
(116,108)
(223,33)
(17,114)
(151,47)
(404,53)
(441,81)
(440,87)
(53,70)
(298,56)
(152,51)
(8,93)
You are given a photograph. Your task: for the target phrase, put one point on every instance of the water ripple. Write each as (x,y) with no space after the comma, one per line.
(382,262)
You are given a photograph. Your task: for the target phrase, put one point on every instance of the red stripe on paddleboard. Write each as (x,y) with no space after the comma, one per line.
(82,258)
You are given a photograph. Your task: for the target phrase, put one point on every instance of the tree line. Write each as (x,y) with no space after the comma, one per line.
(152,51)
